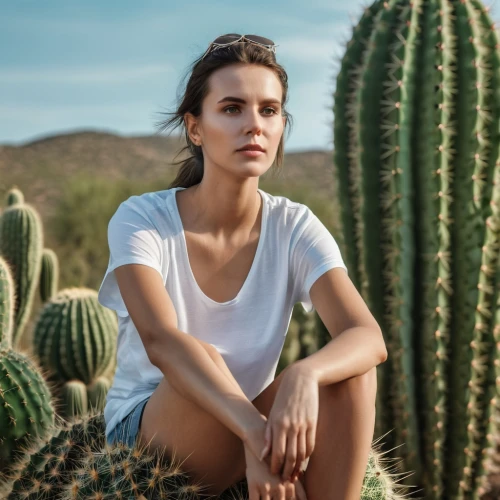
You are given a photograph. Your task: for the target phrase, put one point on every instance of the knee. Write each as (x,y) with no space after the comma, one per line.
(360,388)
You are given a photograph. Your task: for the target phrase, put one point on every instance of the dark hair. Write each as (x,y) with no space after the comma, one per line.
(191,170)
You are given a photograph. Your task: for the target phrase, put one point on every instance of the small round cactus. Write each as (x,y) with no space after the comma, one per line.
(75,340)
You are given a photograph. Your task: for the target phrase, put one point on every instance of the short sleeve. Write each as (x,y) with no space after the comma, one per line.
(313,251)
(132,239)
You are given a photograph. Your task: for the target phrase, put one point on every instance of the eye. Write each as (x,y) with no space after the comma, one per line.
(269,107)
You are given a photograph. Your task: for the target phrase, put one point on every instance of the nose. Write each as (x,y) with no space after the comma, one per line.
(254,124)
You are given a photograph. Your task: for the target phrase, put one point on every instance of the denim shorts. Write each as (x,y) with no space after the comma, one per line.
(126,431)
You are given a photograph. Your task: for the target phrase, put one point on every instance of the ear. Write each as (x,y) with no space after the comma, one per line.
(192,127)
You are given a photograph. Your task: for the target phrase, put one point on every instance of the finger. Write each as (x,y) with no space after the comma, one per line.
(268,440)
(299,491)
(253,493)
(301,451)
(280,493)
(310,440)
(279,448)
(291,455)
(289,492)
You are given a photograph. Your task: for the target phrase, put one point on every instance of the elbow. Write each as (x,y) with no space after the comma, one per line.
(152,350)
(166,346)
(383,349)
(383,353)
(154,346)
(383,357)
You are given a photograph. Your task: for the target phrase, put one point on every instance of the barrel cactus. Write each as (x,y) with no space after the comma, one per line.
(26,410)
(75,340)
(44,468)
(121,472)
(76,462)
(416,160)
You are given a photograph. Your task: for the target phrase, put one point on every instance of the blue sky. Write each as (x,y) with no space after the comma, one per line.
(114,66)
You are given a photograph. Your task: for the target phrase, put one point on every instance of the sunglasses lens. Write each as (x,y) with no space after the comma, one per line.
(232,37)
(260,39)
(227,38)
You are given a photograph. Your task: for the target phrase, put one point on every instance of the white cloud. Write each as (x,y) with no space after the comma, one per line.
(104,74)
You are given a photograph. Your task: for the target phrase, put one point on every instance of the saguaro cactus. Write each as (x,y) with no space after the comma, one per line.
(416,139)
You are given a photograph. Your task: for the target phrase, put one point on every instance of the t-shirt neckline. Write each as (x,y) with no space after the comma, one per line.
(255,262)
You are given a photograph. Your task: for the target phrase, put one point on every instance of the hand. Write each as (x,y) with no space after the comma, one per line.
(292,422)
(263,484)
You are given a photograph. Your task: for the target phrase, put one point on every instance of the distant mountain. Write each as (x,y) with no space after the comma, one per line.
(144,157)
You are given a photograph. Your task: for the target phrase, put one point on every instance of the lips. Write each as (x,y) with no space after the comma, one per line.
(255,147)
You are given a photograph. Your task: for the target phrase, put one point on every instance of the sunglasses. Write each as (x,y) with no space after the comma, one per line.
(226,40)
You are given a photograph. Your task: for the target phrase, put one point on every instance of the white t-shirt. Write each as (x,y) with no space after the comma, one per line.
(249,331)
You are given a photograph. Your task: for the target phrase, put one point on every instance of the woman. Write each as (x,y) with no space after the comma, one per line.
(204,277)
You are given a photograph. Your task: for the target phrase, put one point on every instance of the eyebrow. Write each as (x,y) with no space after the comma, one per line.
(238,99)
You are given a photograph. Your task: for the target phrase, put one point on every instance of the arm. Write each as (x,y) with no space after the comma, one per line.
(354,352)
(357,343)
(192,372)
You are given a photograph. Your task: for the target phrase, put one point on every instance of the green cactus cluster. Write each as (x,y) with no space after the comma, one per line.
(417,165)
(74,336)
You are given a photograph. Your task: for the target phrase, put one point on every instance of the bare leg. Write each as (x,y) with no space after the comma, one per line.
(344,436)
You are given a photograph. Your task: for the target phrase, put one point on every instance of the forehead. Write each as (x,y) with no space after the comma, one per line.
(246,81)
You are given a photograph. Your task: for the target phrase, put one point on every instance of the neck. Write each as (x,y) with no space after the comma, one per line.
(225,210)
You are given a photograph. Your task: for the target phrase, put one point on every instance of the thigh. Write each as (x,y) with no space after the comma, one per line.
(206,449)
